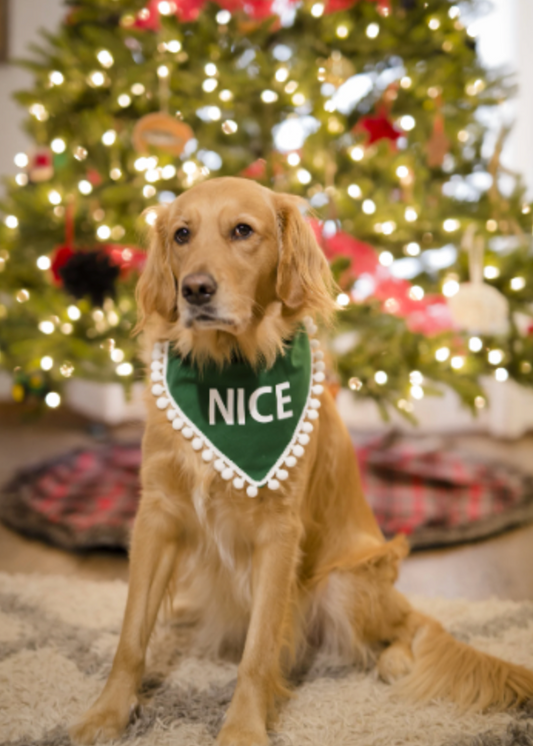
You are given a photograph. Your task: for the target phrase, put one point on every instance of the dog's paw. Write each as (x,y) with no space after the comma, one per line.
(395,662)
(102,724)
(235,735)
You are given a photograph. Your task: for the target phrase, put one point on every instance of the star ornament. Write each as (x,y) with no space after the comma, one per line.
(379,127)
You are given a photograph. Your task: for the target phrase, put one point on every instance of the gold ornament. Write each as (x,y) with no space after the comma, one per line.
(337,69)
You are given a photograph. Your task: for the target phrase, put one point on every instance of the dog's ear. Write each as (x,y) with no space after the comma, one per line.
(304,280)
(156,289)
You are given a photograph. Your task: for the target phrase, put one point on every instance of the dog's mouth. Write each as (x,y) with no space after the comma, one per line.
(206,319)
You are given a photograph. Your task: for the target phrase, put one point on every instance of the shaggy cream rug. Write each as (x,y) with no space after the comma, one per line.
(58,635)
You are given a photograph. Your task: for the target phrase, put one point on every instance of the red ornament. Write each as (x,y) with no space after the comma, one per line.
(379,127)
(40,165)
(61,256)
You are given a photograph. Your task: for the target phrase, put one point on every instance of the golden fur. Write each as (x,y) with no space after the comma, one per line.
(302,567)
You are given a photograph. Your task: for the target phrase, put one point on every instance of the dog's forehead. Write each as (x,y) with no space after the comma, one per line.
(226,196)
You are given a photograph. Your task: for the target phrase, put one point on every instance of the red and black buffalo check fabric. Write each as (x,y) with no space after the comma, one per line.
(88,498)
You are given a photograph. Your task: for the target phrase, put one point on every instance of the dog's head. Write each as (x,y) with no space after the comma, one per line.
(225,254)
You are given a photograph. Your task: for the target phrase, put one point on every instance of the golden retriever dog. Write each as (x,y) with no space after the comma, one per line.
(232,271)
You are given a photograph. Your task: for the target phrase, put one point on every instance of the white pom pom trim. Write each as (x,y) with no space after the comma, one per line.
(228,471)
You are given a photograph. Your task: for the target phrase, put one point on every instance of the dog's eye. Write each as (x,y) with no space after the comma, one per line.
(242,231)
(182,235)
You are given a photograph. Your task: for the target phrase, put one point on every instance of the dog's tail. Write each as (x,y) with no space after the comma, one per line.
(439,666)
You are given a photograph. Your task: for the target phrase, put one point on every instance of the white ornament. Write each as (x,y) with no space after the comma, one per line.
(227,474)
(317,389)
(197,444)
(238,483)
(478,308)
(315,403)
(187,432)
(252,491)
(177,423)
(320,366)
(219,464)
(157,389)
(156,365)
(273,484)
(207,455)
(156,376)
(303,439)
(319,377)
(307,427)
(290,461)
(312,414)
(171,414)
(162,402)
(298,451)
(282,474)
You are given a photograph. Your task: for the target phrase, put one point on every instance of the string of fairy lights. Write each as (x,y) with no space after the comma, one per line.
(196,165)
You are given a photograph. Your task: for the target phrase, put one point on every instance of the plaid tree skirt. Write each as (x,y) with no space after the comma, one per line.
(87,498)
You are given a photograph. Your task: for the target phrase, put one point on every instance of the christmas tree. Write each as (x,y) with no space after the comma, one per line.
(376,111)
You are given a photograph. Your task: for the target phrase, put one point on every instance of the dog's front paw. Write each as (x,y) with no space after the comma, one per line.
(102,723)
(236,735)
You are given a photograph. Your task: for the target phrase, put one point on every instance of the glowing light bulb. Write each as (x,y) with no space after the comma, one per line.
(357,153)
(109,137)
(372,30)
(450,288)
(103,232)
(52,399)
(44,263)
(457,362)
(317,10)
(407,122)
(501,374)
(380,377)
(303,176)
(417,392)
(85,186)
(163,71)
(343,299)
(495,357)
(518,283)
(46,327)
(105,58)
(56,78)
(442,354)
(369,207)
(124,100)
(223,17)
(411,214)
(58,145)
(354,191)
(124,369)
(475,344)
(269,96)
(450,225)
(490,272)
(416,292)
(54,197)
(74,313)
(11,221)
(229,127)
(47,363)
(386,258)
(97,79)
(21,160)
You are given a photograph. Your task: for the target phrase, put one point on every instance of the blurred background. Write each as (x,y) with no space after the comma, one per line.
(406,124)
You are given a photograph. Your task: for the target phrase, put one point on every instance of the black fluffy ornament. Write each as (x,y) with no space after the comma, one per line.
(90,273)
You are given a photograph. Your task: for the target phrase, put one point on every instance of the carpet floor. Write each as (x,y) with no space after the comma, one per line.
(58,636)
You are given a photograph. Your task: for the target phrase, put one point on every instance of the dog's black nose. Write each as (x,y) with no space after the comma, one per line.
(198,288)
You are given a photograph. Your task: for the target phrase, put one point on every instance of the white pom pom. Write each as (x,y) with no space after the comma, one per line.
(156,376)
(273,484)
(314,403)
(307,427)
(156,365)
(312,414)
(480,309)
(298,451)
(307,320)
(178,423)
(315,344)
(157,389)
(187,432)
(282,474)
(319,377)
(290,461)
(207,455)
(317,389)
(238,483)
(303,439)
(171,414)
(318,355)
(252,491)
(320,366)
(197,444)
(219,464)
(162,402)
(227,474)
(157,352)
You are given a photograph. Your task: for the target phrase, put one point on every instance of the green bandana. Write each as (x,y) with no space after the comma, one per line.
(251,424)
